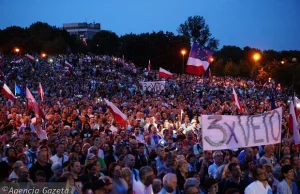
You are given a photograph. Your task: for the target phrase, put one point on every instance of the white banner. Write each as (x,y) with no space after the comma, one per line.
(227,132)
(156,86)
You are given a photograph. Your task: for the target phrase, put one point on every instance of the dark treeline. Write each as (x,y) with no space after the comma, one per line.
(162,48)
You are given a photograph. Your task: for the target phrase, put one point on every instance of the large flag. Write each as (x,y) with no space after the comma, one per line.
(294,124)
(7,92)
(236,100)
(118,115)
(19,90)
(198,61)
(67,64)
(164,73)
(149,66)
(33,105)
(41,91)
(29,57)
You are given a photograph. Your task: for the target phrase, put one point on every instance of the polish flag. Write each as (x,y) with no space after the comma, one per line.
(294,124)
(33,105)
(118,115)
(17,61)
(164,73)
(149,65)
(29,57)
(7,92)
(236,100)
(84,42)
(41,91)
(67,64)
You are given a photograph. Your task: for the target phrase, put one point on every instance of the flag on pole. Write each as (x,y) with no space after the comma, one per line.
(149,66)
(19,90)
(41,92)
(84,42)
(67,64)
(294,124)
(29,57)
(33,105)
(164,73)
(236,100)
(198,61)
(7,92)
(117,114)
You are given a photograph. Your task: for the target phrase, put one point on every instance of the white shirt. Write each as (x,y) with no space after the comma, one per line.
(55,159)
(257,187)
(139,187)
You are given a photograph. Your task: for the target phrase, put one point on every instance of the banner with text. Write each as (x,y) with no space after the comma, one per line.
(227,132)
(155,86)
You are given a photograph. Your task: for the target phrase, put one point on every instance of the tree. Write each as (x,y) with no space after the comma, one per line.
(231,69)
(105,42)
(198,31)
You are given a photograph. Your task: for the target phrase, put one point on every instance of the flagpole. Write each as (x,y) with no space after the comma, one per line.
(15,88)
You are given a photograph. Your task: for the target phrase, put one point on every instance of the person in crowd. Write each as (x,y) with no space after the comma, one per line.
(119,184)
(260,184)
(218,160)
(169,184)
(287,186)
(41,165)
(144,185)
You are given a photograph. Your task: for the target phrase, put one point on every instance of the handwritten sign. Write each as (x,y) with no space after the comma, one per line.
(155,86)
(227,132)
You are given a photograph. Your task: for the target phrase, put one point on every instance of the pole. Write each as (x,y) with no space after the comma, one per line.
(182,63)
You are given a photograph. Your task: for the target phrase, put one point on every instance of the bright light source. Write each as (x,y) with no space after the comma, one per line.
(37,60)
(256,56)
(211,59)
(183,52)
(51,60)
(297,105)
(282,62)
(17,50)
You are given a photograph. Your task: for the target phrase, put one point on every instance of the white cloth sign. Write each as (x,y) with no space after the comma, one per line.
(227,132)
(155,86)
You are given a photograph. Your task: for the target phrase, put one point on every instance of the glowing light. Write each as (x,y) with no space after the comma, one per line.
(183,52)
(256,56)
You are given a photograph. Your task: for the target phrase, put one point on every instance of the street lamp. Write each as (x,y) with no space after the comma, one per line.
(44,55)
(256,57)
(183,52)
(17,50)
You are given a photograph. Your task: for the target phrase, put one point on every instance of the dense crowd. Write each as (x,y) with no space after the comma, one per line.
(159,150)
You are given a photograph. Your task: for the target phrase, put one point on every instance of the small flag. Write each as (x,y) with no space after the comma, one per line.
(117,114)
(33,105)
(19,90)
(236,100)
(84,42)
(164,73)
(29,57)
(149,66)
(7,92)
(293,124)
(67,64)
(41,92)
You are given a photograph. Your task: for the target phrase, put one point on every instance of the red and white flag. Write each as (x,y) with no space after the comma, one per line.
(17,61)
(294,124)
(67,64)
(236,100)
(33,105)
(149,65)
(41,91)
(7,92)
(84,42)
(29,57)
(164,73)
(118,115)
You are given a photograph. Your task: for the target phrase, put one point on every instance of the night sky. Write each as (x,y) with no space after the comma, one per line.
(263,24)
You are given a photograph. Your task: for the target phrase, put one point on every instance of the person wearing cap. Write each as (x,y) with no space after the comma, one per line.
(57,172)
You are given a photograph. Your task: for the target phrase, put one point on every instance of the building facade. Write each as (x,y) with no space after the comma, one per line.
(82,30)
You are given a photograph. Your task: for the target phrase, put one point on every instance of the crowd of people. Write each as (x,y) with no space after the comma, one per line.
(159,150)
